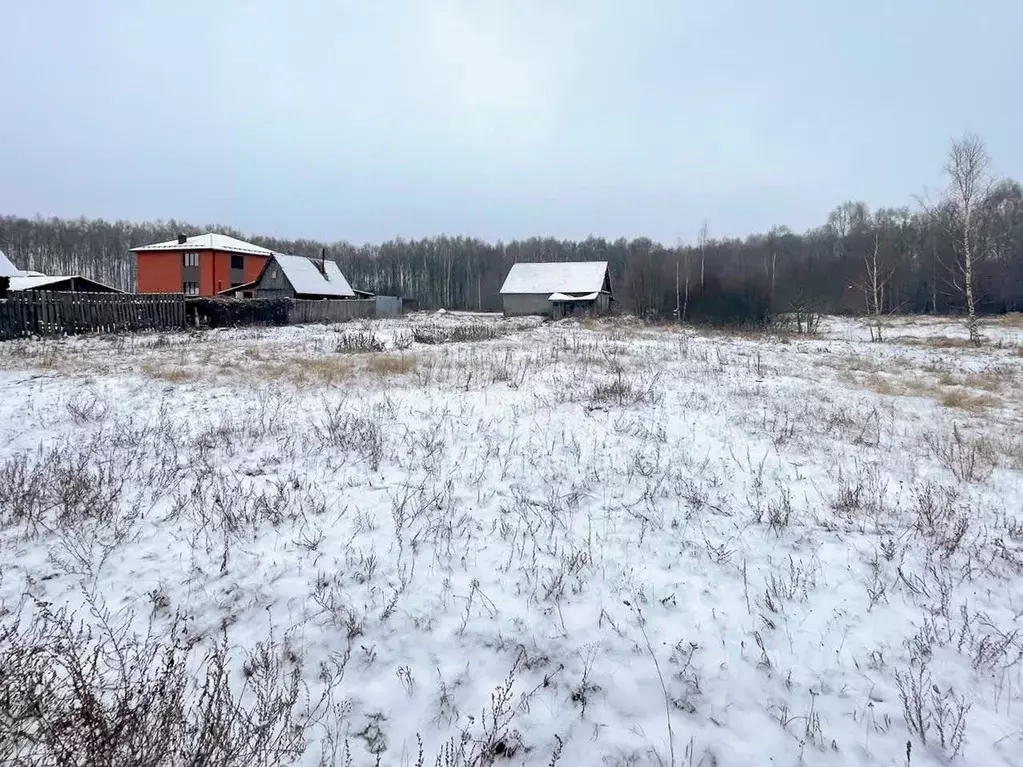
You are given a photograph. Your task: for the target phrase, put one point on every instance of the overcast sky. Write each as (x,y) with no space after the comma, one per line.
(370,119)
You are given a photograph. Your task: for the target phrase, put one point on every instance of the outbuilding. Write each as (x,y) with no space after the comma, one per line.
(7,271)
(557,289)
(68,283)
(296,277)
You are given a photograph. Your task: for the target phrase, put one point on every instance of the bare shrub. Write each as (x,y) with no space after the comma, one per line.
(803,317)
(939,519)
(88,409)
(358,342)
(439,334)
(641,429)
(352,433)
(791,585)
(493,739)
(625,390)
(403,340)
(73,694)
(67,485)
(925,706)
(862,496)
(969,458)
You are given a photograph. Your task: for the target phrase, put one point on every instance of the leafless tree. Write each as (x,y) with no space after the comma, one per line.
(685,304)
(681,298)
(874,284)
(968,170)
(703,253)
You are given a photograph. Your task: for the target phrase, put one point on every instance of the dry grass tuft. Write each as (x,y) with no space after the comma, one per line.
(385,365)
(861,365)
(166,371)
(934,342)
(1012,320)
(963,400)
(304,370)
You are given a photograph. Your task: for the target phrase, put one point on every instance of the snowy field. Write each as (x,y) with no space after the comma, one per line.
(464,540)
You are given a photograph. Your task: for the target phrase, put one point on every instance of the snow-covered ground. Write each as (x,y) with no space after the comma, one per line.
(674,547)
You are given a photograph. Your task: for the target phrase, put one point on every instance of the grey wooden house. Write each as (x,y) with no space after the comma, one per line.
(296,277)
(557,289)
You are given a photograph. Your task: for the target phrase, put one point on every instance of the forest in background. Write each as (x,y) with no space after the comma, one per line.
(889,260)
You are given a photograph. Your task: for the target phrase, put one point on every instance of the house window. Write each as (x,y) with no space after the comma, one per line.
(237,262)
(191,289)
(191,259)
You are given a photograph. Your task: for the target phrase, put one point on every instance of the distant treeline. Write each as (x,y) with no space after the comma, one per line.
(826,267)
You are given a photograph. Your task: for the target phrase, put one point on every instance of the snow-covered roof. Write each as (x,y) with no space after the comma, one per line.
(563,277)
(563,297)
(6,267)
(35,283)
(307,279)
(209,241)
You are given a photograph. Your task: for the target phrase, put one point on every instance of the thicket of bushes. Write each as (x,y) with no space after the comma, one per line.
(228,312)
(729,303)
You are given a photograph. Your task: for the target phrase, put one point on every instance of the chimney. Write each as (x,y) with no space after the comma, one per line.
(323,261)
(182,239)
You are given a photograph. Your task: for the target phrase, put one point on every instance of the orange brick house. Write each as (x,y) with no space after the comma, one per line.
(200,265)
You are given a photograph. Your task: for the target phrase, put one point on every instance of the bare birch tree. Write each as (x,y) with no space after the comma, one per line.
(703,253)
(685,301)
(969,183)
(874,284)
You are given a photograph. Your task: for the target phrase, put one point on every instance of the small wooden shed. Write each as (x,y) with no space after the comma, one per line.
(557,289)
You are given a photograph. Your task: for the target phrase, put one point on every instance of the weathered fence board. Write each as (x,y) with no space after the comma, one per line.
(42,313)
(301,312)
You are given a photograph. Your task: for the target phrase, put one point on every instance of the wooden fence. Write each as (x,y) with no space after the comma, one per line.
(42,313)
(330,311)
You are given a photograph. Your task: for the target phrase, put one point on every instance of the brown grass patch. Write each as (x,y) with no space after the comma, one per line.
(385,365)
(948,390)
(1012,320)
(38,355)
(326,370)
(934,342)
(164,371)
(861,365)
(965,401)
(254,353)
(876,383)
(993,381)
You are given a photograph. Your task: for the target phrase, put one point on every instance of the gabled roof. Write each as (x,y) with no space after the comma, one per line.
(209,241)
(307,279)
(37,283)
(562,277)
(6,267)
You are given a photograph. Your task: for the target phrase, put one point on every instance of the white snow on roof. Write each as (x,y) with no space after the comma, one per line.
(563,277)
(307,279)
(6,267)
(563,297)
(31,283)
(41,281)
(209,241)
